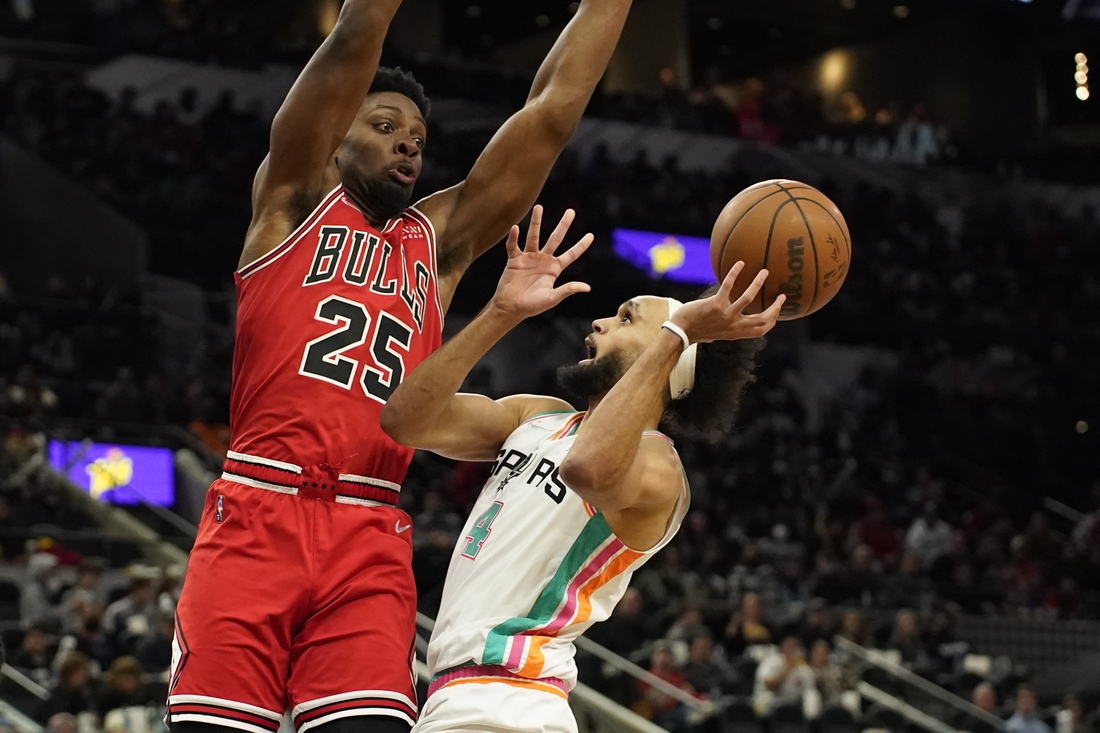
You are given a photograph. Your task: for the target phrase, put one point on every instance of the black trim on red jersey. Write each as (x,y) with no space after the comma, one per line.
(364,703)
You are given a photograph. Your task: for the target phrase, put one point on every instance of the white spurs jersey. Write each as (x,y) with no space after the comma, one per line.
(535,566)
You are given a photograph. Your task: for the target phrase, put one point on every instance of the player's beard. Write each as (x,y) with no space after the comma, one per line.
(586,381)
(388,200)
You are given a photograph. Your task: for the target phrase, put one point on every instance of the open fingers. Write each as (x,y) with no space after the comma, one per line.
(727,285)
(772,313)
(534,230)
(573,253)
(562,292)
(558,235)
(750,292)
(763,322)
(512,243)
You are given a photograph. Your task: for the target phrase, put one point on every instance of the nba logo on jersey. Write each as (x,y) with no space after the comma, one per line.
(218,514)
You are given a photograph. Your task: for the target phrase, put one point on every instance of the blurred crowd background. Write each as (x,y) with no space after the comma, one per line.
(952,476)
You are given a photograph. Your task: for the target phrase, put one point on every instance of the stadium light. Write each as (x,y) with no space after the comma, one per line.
(1081,76)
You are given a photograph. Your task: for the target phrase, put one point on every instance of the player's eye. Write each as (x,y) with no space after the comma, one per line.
(419,142)
(626,317)
(385,127)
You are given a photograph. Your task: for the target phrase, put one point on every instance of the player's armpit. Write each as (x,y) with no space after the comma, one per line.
(502,186)
(314,118)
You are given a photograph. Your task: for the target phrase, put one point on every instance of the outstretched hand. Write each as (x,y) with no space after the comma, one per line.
(527,286)
(718,318)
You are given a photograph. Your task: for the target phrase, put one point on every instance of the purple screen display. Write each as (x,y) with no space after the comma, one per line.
(677,258)
(117,474)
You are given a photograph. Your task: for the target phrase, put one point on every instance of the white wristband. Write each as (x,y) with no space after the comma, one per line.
(678,331)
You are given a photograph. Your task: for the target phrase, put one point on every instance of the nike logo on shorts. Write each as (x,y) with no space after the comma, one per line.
(401,529)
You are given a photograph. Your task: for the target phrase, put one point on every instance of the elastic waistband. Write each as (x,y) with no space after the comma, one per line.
(474,673)
(312,482)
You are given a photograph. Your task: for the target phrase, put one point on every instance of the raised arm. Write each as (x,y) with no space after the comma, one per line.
(313,120)
(612,463)
(427,412)
(505,181)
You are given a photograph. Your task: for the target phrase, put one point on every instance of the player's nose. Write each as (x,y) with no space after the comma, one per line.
(407,147)
(600,325)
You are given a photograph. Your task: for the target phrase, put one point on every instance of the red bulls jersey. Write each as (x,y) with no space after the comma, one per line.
(328,324)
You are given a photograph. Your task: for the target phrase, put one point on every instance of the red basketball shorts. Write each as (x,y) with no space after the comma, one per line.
(294,603)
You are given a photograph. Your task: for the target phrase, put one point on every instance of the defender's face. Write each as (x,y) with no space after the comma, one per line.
(636,324)
(383,147)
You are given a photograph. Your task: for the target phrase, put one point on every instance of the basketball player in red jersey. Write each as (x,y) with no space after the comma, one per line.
(299,593)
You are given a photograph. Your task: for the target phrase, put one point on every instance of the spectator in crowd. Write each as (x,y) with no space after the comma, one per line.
(35,606)
(907,639)
(747,627)
(627,631)
(124,687)
(74,693)
(1071,718)
(929,537)
(1025,719)
(33,655)
(876,531)
(154,649)
(851,627)
(783,677)
(85,594)
(127,619)
(629,627)
(909,587)
(817,625)
(705,672)
(687,627)
(828,677)
(985,697)
(62,723)
(655,705)
(90,639)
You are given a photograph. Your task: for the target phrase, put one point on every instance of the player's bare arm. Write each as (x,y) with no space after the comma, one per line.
(312,123)
(635,477)
(427,411)
(505,181)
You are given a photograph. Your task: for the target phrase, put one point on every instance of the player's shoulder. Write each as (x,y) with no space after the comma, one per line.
(528,407)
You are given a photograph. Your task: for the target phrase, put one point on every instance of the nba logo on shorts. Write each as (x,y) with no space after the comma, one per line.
(218,514)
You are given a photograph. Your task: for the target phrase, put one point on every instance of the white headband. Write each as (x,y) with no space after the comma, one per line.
(682,379)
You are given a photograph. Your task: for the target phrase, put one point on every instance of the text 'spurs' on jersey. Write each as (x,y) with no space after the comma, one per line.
(534,568)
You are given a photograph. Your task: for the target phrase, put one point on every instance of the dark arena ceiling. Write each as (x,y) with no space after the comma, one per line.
(745,36)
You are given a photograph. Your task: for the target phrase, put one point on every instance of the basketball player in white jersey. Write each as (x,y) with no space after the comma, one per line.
(577,501)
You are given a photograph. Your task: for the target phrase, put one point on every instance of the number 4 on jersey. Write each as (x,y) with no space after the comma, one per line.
(480,531)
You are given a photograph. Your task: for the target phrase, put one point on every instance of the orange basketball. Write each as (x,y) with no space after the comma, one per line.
(795,232)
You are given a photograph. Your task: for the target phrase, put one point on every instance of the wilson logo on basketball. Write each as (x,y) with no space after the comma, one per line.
(792,286)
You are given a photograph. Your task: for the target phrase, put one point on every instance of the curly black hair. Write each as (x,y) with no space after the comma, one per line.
(398,80)
(723,370)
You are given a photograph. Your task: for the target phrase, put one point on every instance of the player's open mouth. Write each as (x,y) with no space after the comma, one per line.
(403,174)
(590,346)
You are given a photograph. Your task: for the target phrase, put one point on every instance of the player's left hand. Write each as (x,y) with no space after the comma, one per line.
(527,286)
(720,318)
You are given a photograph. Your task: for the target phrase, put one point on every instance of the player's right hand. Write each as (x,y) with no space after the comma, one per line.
(527,286)
(718,318)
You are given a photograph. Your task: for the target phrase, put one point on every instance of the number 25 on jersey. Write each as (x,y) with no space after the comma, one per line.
(326,358)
